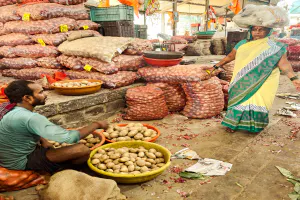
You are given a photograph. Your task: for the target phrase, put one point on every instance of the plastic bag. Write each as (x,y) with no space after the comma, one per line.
(145,103)
(205,99)
(42,11)
(17,63)
(87,25)
(178,74)
(28,51)
(49,62)
(50,39)
(15,39)
(8,13)
(50,26)
(18,179)
(174,95)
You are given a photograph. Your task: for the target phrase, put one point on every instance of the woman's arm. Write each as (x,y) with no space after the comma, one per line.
(286,67)
(230,57)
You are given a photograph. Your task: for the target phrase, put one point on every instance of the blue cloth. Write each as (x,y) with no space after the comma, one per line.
(20,131)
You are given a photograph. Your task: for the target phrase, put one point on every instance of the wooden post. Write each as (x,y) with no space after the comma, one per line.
(163,30)
(145,18)
(175,22)
(206,17)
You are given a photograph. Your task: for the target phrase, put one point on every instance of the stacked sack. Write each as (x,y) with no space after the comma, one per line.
(205,99)
(174,95)
(228,71)
(145,103)
(218,46)
(199,48)
(30,35)
(293,52)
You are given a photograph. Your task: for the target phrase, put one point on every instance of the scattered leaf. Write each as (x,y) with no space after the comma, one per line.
(192,175)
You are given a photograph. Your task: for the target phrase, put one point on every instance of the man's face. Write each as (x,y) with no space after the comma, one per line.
(39,97)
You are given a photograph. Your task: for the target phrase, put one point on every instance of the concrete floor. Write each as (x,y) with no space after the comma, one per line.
(254,157)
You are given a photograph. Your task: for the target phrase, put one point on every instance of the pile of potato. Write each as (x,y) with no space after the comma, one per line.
(128,160)
(76,84)
(90,141)
(133,131)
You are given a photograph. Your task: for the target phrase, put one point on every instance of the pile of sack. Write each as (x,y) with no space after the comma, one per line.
(228,71)
(294,56)
(218,46)
(199,48)
(145,103)
(50,37)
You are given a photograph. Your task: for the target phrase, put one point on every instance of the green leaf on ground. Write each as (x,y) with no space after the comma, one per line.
(294,196)
(192,175)
(297,188)
(285,172)
(292,181)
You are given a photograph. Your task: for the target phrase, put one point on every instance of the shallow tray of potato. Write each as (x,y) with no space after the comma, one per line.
(77,87)
(106,167)
(131,132)
(92,141)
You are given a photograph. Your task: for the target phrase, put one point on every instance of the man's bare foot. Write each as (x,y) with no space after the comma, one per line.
(229,130)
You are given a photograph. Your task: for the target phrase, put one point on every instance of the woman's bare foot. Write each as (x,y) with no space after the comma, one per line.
(229,130)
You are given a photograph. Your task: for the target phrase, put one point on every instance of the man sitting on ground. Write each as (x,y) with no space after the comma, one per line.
(23,133)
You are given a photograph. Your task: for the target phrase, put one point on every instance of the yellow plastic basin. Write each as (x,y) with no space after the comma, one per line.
(131,178)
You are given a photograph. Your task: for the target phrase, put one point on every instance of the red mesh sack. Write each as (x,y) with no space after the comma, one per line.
(28,74)
(92,32)
(67,2)
(87,25)
(225,87)
(49,62)
(50,39)
(70,62)
(119,79)
(129,63)
(296,65)
(7,2)
(289,41)
(2,30)
(11,180)
(178,74)
(9,13)
(138,46)
(42,11)
(228,71)
(294,57)
(17,63)
(174,95)
(40,27)
(15,39)
(294,50)
(28,51)
(145,103)
(205,99)
(179,40)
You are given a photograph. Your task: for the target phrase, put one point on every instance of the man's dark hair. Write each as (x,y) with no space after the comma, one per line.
(16,90)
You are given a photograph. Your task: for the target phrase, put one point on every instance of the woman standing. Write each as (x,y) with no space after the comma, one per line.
(255,80)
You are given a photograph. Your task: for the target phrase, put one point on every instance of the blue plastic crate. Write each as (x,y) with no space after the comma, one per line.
(114,13)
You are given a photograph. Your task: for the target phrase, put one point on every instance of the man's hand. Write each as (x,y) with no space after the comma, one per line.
(45,143)
(102,124)
(297,84)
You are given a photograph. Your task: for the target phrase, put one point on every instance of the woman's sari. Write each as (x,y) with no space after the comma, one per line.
(254,84)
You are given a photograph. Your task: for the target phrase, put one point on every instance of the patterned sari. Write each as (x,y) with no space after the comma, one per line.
(254,84)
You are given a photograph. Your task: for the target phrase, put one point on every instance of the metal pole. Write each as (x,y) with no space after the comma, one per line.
(175,22)
(206,18)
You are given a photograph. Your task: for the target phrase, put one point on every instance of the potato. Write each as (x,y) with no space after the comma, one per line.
(147,133)
(151,155)
(64,144)
(155,168)
(117,171)
(130,125)
(144,169)
(110,153)
(132,133)
(152,150)
(147,138)
(133,150)
(89,136)
(137,168)
(139,125)
(132,159)
(160,164)
(91,140)
(135,172)
(109,170)
(141,163)
(126,154)
(114,134)
(114,140)
(110,165)
(89,145)
(116,161)
(124,169)
(152,161)
(123,172)
(148,164)
(82,141)
(106,134)
(101,151)
(158,155)
(56,144)
(124,159)
(144,128)
(141,154)
(129,163)
(97,155)
(127,138)
(120,139)
(103,158)
(131,168)
(107,161)
(102,166)
(116,167)
(123,133)
(109,130)
(95,161)
(115,156)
